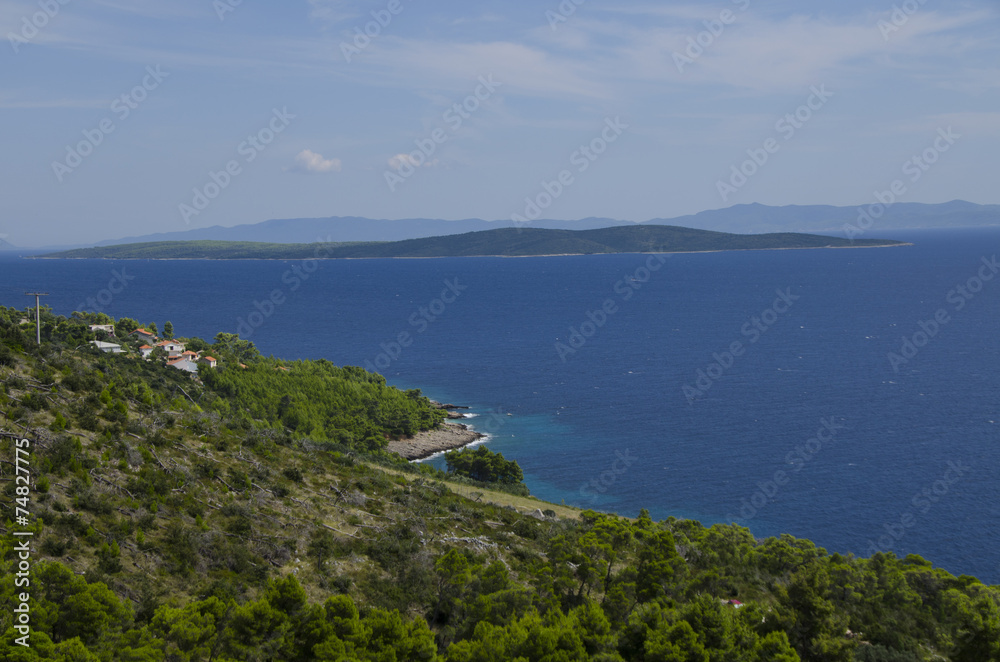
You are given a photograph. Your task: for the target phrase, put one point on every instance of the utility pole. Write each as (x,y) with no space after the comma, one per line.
(38,314)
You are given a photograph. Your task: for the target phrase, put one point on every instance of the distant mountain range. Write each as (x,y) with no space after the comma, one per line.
(755,218)
(740,219)
(507,242)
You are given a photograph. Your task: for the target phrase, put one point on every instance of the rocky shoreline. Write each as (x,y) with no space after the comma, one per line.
(450,436)
(449,409)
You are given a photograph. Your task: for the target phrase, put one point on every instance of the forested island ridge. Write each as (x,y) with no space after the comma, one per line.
(502,242)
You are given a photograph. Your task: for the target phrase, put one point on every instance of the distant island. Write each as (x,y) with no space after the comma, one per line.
(501,242)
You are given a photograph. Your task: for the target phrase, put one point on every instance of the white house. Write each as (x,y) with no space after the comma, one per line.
(146,350)
(186,365)
(106,328)
(173,348)
(143,334)
(209,361)
(107,347)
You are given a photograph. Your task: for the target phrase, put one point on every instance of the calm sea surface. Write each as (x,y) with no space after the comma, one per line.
(808,428)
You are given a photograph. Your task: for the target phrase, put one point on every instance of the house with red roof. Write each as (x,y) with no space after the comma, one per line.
(143,334)
(209,361)
(185,364)
(146,350)
(173,348)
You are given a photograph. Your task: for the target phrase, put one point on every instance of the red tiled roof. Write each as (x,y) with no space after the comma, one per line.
(146,347)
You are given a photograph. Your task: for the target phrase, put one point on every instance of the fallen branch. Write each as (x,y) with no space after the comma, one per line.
(111,483)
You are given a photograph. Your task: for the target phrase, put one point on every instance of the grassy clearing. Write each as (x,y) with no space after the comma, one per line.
(522,504)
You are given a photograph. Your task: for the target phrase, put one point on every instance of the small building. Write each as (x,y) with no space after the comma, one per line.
(186,365)
(173,348)
(146,350)
(209,361)
(190,355)
(107,347)
(106,328)
(143,334)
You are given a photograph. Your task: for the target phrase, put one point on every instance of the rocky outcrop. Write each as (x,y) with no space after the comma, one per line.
(450,436)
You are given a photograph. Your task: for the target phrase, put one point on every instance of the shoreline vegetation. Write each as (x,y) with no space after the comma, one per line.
(250,511)
(504,242)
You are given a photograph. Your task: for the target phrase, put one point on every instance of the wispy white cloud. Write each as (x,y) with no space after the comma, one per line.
(621,60)
(331,11)
(157,8)
(310,161)
(481,18)
(523,69)
(981,124)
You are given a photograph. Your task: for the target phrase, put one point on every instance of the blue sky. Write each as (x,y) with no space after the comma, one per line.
(343,119)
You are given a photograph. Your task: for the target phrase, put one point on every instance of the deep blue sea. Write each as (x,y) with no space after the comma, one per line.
(809,428)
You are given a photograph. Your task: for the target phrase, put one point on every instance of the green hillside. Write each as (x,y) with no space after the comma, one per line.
(251,513)
(198,250)
(512,242)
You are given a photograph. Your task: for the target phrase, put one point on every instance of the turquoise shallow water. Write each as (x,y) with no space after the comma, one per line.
(908,460)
